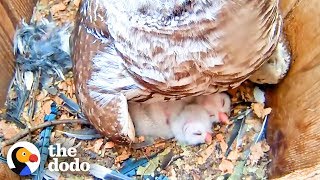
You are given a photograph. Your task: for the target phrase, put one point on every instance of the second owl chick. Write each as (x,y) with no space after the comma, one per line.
(218,106)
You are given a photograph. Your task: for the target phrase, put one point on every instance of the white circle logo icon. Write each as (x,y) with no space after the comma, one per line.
(23,158)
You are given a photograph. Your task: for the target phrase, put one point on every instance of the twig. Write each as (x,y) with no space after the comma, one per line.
(40,126)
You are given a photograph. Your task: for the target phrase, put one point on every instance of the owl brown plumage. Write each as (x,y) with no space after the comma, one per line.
(148,51)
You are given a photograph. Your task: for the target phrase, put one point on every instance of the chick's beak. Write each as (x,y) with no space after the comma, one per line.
(223,118)
(33,158)
(208,138)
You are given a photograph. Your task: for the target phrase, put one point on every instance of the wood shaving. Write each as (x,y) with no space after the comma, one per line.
(108,145)
(97,145)
(204,155)
(233,156)
(8,130)
(223,144)
(57,7)
(258,151)
(125,155)
(226,166)
(259,110)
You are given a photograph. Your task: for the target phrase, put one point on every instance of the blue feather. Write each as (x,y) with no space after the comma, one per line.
(72,106)
(263,132)
(41,46)
(15,106)
(83,134)
(2,159)
(49,175)
(101,172)
(130,166)
(44,142)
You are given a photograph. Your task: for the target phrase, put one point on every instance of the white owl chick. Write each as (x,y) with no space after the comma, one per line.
(218,106)
(153,119)
(192,126)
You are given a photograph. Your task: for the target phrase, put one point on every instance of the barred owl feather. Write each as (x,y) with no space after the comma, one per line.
(147,51)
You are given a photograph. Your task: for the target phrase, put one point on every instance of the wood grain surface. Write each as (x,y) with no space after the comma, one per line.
(294,123)
(11,13)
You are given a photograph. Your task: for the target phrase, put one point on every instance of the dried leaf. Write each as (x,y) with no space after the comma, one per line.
(44,2)
(108,145)
(233,156)
(62,85)
(38,118)
(205,154)
(259,110)
(41,95)
(265,147)
(97,145)
(172,173)
(267,111)
(125,155)
(160,145)
(57,7)
(141,139)
(46,106)
(76,2)
(8,130)
(69,91)
(186,151)
(220,137)
(226,166)
(256,153)
(223,144)
(254,123)
(58,100)
(195,176)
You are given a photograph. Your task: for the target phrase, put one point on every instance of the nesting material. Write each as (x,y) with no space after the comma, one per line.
(237,150)
(225,156)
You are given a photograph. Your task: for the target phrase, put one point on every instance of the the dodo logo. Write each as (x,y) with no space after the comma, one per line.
(23,158)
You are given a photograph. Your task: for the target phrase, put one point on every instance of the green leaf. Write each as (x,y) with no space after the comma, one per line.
(149,168)
(153,164)
(237,171)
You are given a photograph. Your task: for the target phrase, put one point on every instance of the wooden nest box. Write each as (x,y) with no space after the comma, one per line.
(294,125)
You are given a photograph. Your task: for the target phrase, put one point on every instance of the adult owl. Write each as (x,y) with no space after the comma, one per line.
(161,50)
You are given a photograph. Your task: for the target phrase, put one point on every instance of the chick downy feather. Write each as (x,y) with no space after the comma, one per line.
(192,125)
(153,119)
(188,120)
